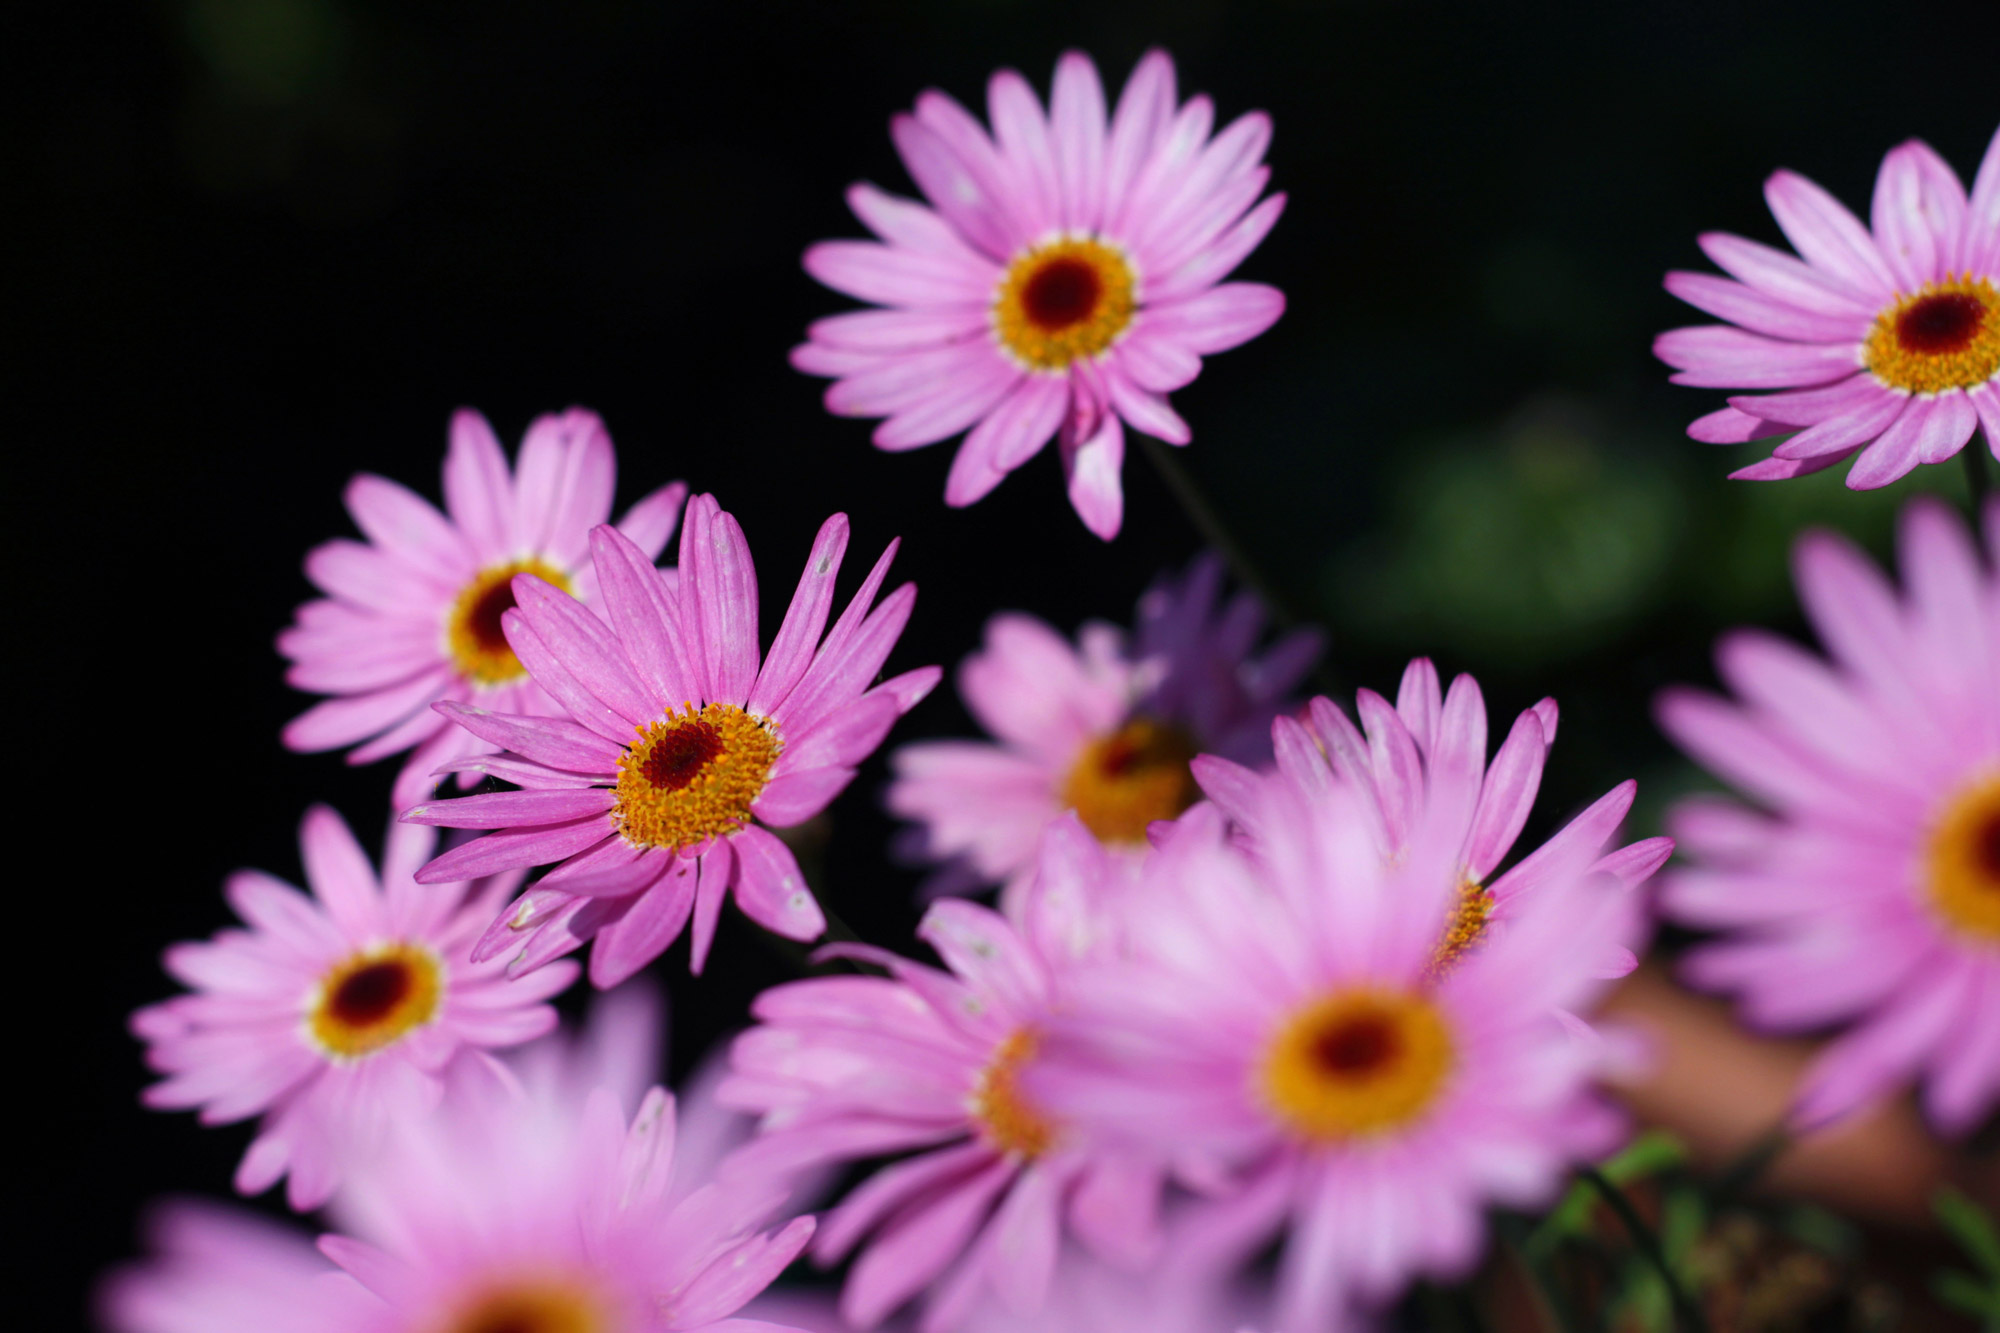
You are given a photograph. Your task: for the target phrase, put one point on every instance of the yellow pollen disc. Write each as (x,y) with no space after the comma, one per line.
(1006,1120)
(1357,1063)
(1468,923)
(472,628)
(374,998)
(1946,336)
(1964,862)
(692,776)
(552,1306)
(1124,782)
(1062,300)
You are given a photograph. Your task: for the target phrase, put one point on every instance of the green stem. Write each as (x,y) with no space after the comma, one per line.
(1976,481)
(1686,1312)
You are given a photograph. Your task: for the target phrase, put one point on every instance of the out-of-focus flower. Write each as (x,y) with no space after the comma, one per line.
(653,829)
(218,1269)
(856,1066)
(339,1015)
(558,1202)
(1886,344)
(1284,1017)
(1105,728)
(554,1197)
(1867,888)
(412,615)
(1064,276)
(1418,769)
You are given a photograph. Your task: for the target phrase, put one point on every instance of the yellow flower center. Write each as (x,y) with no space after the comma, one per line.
(531,1306)
(374,998)
(1062,300)
(1947,336)
(472,629)
(1007,1121)
(1124,782)
(1357,1063)
(1964,862)
(1468,923)
(692,776)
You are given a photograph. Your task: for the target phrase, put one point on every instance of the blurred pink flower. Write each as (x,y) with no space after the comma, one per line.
(1283,1018)
(1063,276)
(1420,766)
(219,1269)
(1886,344)
(653,829)
(560,1200)
(339,1015)
(1105,728)
(412,615)
(844,1067)
(1866,890)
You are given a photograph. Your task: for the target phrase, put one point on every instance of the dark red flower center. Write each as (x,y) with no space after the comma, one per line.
(1361,1045)
(1988,843)
(483,617)
(370,994)
(1941,323)
(1062,292)
(679,756)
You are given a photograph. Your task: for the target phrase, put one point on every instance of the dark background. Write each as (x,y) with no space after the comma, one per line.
(263,244)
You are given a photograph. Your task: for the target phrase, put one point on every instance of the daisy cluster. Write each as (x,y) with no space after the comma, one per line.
(1274,1004)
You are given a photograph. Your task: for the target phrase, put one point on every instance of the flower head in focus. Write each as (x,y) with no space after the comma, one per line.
(412,615)
(843,1067)
(1064,273)
(681,740)
(337,1015)
(1864,886)
(1882,341)
(1282,1016)
(1106,728)
(1418,769)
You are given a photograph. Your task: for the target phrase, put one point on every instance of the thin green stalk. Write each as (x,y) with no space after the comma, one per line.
(1976,481)
(1686,1312)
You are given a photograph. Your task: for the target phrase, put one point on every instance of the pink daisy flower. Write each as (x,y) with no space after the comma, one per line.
(681,741)
(1864,887)
(557,1197)
(845,1067)
(1064,276)
(1419,766)
(561,1202)
(338,1015)
(1284,1016)
(217,1269)
(1105,728)
(412,615)
(1884,344)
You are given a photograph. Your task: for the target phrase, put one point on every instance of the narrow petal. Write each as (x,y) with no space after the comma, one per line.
(770,889)
(1829,237)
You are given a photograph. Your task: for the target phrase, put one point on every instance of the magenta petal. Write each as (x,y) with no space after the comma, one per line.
(719,593)
(714,869)
(770,890)
(478,491)
(645,930)
(510,849)
(612,869)
(738,1274)
(1092,469)
(805,620)
(644,616)
(889,1189)
(546,740)
(796,796)
(584,647)
(513,809)
(1731,426)
(917,1246)
(1507,797)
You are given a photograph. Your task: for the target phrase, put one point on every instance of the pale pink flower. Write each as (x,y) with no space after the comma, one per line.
(1283,1017)
(338,1015)
(1419,767)
(1105,728)
(1863,887)
(219,1269)
(682,740)
(1884,344)
(844,1067)
(1063,275)
(412,615)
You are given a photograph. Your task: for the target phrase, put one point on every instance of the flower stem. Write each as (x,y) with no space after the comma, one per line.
(1686,1312)
(1976,481)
